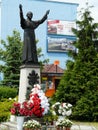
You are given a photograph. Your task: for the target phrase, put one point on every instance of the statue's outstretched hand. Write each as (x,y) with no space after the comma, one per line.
(47,12)
(20,6)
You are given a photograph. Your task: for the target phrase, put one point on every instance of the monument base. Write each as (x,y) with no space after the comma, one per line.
(25,70)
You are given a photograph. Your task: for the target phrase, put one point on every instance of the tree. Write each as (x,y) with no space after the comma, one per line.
(10,54)
(79,84)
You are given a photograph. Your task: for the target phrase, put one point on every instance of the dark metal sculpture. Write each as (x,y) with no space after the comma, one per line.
(33,78)
(29,48)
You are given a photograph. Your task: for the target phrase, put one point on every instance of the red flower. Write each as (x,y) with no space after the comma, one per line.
(17,104)
(13,111)
(31,105)
(30,113)
(25,104)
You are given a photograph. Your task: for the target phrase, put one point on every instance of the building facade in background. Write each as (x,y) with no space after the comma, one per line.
(55,35)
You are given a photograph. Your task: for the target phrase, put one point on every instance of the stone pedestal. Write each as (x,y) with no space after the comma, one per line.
(25,70)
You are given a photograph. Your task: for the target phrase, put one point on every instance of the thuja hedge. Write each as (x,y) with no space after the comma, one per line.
(8,92)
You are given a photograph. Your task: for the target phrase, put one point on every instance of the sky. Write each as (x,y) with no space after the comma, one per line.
(94,10)
(0,19)
(81,3)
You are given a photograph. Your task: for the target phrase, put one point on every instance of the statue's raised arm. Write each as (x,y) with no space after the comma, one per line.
(44,17)
(21,16)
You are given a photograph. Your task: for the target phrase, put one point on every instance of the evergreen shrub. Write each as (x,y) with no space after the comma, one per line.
(8,92)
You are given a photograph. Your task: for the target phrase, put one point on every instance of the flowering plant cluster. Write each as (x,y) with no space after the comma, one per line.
(32,124)
(19,109)
(64,122)
(40,101)
(36,105)
(62,109)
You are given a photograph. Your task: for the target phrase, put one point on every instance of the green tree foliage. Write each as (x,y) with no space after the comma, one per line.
(79,85)
(40,55)
(10,54)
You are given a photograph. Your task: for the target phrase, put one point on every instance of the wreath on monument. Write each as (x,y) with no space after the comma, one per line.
(37,104)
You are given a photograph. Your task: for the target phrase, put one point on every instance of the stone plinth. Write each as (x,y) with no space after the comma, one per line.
(25,70)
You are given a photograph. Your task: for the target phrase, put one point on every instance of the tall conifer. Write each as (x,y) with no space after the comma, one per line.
(79,85)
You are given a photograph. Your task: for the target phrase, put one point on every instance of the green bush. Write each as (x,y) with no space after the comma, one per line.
(5,107)
(86,109)
(7,95)
(8,92)
(4,116)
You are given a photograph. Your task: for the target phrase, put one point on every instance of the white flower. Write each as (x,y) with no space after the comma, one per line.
(69,105)
(64,113)
(57,103)
(37,86)
(62,108)
(59,111)
(68,113)
(32,124)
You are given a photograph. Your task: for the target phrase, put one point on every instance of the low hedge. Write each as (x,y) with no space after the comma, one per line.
(8,92)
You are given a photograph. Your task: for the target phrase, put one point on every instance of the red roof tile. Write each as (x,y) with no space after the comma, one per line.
(52,69)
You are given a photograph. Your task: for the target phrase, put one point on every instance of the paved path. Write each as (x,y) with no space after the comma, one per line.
(12,126)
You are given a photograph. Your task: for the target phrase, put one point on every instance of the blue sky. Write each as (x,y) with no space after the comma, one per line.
(0,18)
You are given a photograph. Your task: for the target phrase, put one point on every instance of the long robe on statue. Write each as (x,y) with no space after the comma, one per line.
(29,26)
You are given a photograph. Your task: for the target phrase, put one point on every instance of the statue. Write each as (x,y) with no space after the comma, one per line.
(29,48)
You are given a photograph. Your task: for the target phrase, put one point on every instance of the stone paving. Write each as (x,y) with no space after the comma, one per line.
(12,126)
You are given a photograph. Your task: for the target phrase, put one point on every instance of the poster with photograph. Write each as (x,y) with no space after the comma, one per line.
(59,27)
(58,44)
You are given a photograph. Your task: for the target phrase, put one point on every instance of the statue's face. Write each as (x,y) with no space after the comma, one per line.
(29,15)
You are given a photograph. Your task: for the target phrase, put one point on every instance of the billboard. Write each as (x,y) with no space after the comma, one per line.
(59,27)
(60,44)
(57,31)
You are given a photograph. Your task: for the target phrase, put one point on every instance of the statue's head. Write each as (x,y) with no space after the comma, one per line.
(29,15)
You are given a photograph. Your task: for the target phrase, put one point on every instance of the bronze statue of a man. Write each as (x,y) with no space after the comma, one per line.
(29,48)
